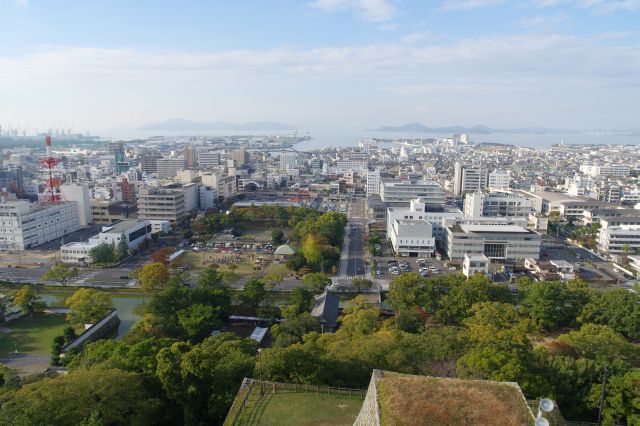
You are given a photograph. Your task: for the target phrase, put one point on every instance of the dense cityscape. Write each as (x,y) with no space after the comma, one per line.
(319,213)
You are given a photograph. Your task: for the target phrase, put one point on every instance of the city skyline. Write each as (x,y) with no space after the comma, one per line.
(340,64)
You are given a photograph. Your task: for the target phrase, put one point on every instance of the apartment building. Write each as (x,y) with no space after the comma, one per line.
(169,167)
(373,182)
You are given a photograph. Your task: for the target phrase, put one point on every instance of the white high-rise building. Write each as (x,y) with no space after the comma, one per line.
(497,204)
(79,192)
(499,179)
(288,161)
(373,182)
(468,179)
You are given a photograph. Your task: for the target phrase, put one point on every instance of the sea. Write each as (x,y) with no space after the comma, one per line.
(321,139)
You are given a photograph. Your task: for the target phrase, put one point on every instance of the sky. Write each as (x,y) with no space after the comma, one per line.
(320,64)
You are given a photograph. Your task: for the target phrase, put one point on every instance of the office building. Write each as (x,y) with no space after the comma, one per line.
(288,161)
(619,235)
(149,162)
(240,157)
(497,241)
(411,237)
(161,204)
(403,192)
(606,170)
(498,204)
(499,179)
(208,159)
(79,193)
(24,225)
(436,215)
(468,179)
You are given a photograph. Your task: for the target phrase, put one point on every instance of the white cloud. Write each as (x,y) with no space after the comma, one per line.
(372,10)
(595,6)
(22,3)
(492,74)
(464,5)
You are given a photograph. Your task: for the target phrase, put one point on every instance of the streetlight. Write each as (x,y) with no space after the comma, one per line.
(260,371)
(546,405)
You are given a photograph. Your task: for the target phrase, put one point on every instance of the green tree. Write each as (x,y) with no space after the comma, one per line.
(187,234)
(617,308)
(123,248)
(204,379)
(296,261)
(61,273)
(277,237)
(69,334)
(272,279)
(622,401)
(103,254)
(550,305)
(153,277)
(88,306)
(294,326)
(406,292)
(253,294)
(198,321)
(496,321)
(28,300)
(316,281)
(118,397)
(601,343)
(360,284)
(456,304)
(312,251)
(300,300)
(5,304)
(8,377)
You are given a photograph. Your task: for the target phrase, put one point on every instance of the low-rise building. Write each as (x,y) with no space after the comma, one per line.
(475,264)
(411,237)
(500,242)
(133,231)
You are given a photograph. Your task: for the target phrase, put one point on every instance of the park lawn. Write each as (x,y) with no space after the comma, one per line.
(277,268)
(300,409)
(195,259)
(261,234)
(30,335)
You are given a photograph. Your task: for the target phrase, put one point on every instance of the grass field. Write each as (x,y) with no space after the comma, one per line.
(299,409)
(261,235)
(30,335)
(199,260)
(449,402)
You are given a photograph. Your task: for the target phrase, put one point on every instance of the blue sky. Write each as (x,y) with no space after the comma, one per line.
(347,64)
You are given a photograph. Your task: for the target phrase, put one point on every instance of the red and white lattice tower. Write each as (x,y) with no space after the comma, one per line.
(52,184)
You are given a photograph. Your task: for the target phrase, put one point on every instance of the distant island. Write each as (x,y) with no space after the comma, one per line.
(179,124)
(477,130)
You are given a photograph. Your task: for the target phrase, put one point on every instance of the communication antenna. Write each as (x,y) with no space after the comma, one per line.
(546,405)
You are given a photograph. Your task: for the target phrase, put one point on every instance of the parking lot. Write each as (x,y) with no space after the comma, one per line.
(389,266)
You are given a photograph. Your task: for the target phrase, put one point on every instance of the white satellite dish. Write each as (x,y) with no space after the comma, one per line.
(541,421)
(546,405)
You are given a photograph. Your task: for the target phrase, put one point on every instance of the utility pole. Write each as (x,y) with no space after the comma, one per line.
(604,388)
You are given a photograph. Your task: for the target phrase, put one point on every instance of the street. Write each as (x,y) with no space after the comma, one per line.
(355,250)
